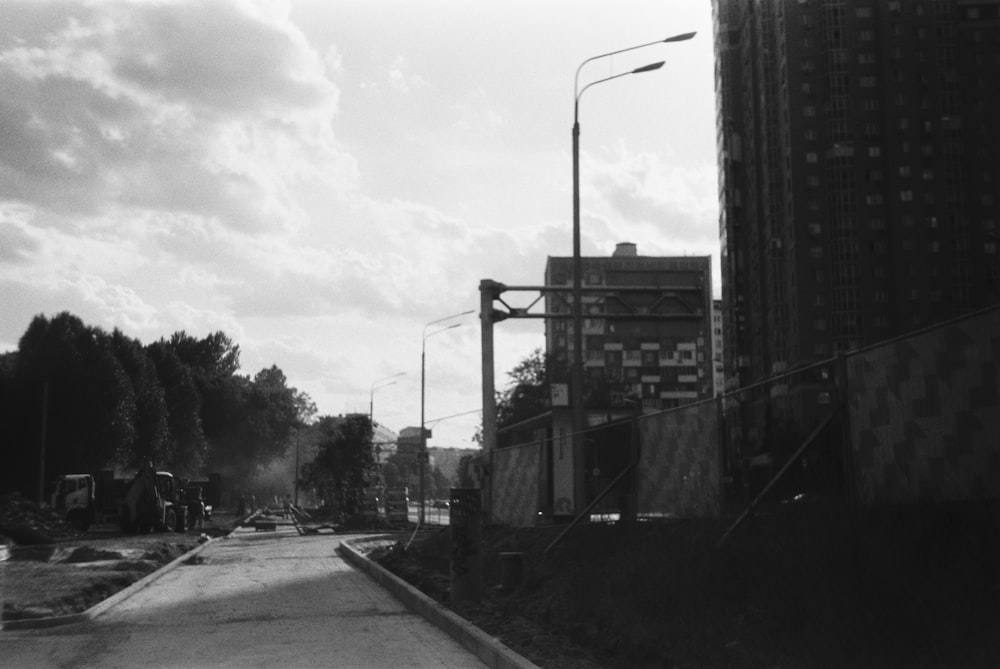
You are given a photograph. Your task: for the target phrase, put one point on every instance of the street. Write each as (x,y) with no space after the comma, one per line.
(432,515)
(254,599)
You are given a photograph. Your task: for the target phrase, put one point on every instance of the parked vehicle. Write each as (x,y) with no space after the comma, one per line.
(75,499)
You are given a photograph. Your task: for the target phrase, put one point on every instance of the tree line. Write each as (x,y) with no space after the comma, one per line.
(88,400)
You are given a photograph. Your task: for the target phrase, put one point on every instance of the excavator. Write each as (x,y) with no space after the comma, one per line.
(153,501)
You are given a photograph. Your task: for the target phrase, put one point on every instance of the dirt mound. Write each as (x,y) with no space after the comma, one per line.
(91,554)
(26,523)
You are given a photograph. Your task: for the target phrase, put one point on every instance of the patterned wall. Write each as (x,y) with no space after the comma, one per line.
(925,415)
(679,463)
(516,473)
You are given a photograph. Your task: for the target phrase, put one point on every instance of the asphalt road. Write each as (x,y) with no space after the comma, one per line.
(257,599)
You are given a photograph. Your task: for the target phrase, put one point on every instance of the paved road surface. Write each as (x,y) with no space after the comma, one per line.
(260,599)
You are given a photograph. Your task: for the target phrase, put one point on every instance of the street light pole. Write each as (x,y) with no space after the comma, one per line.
(422,455)
(576,376)
(371,398)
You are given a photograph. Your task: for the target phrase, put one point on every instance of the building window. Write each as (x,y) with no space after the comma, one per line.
(906,196)
(809,111)
(816,252)
(811,157)
(904,170)
(990,248)
(868,82)
(874,151)
(819,325)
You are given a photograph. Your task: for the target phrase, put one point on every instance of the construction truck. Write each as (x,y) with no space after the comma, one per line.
(153,501)
(75,499)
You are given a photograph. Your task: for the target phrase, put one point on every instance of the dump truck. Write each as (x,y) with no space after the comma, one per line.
(75,499)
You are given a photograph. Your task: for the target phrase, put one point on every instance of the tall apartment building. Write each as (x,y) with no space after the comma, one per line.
(859,182)
(647,329)
(718,370)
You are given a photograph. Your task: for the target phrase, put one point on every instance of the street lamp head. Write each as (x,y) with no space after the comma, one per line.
(680,38)
(648,68)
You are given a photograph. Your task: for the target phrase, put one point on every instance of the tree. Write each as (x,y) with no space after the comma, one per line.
(440,484)
(527,391)
(152,431)
(186,448)
(345,462)
(212,358)
(464,476)
(90,402)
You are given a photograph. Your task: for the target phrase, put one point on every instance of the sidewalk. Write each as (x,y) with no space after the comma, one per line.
(253,599)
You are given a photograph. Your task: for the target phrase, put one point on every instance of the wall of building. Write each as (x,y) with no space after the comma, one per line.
(925,415)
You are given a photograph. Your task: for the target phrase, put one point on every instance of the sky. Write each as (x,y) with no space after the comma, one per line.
(322,179)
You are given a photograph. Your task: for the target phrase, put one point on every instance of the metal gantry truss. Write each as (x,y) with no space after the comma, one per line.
(679,297)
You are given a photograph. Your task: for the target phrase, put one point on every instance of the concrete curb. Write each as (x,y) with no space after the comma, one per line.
(103,605)
(488,649)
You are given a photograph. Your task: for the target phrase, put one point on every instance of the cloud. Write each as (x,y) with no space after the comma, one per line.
(212,108)
(395,77)
(636,194)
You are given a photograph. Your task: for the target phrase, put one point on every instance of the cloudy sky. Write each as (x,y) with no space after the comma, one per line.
(321,179)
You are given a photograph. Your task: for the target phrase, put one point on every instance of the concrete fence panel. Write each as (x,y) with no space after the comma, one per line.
(925,415)
(678,474)
(516,474)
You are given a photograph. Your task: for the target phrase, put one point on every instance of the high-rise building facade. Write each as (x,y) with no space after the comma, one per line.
(647,329)
(859,181)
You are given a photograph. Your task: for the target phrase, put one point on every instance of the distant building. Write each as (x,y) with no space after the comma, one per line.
(384,440)
(859,192)
(408,442)
(647,329)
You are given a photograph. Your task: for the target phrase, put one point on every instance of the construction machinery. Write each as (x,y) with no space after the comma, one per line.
(153,501)
(75,499)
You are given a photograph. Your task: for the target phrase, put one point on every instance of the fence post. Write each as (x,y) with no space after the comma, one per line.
(846,443)
(722,455)
(466,531)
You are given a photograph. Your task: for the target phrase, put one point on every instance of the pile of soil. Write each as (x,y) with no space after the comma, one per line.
(809,585)
(26,523)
